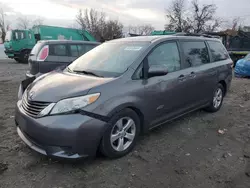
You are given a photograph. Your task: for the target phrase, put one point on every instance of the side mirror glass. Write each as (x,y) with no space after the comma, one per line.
(157,70)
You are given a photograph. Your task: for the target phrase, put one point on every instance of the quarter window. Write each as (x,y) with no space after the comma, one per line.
(58,50)
(218,51)
(166,54)
(195,53)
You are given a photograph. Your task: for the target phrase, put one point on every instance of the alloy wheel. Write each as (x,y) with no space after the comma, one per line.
(123,134)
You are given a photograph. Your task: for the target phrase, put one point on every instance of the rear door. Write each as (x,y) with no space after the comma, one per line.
(58,56)
(201,74)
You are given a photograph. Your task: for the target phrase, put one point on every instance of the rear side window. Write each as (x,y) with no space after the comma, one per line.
(58,49)
(196,53)
(88,47)
(84,48)
(218,51)
(73,50)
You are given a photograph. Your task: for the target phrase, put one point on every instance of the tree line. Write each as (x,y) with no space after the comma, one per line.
(196,18)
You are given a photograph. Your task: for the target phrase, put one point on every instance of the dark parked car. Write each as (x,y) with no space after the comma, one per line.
(49,55)
(108,96)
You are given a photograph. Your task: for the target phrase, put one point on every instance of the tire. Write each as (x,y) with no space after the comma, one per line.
(111,148)
(24,56)
(216,104)
(18,60)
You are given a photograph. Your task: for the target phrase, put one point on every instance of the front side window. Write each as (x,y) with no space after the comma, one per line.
(195,53)
(57,49)
(19,35)
(110,59)
(167,55)
(218,51)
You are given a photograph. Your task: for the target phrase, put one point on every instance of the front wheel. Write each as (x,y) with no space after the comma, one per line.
(24,56)
(217,99)
(121,135)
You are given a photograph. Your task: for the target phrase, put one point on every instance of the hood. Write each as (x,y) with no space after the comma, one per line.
(55,86)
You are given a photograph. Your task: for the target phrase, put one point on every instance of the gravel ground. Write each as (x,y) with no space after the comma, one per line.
(188,152)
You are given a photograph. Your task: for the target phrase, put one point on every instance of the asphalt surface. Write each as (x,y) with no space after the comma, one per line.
(199,150)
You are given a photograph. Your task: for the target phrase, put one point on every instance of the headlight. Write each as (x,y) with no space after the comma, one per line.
(20,92)
(75,103)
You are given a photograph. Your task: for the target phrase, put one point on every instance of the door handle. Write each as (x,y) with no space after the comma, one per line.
(181,78)
(212,73)
(192,75)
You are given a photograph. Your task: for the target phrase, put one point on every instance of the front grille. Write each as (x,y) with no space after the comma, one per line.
(32,108)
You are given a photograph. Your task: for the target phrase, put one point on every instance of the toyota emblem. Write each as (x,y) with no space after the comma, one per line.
(31,94)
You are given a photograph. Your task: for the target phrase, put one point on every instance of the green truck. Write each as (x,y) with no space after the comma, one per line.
(19,43)
(164,32)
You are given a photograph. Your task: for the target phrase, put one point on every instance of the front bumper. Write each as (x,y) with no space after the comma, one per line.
(29,75)
(11,53)
(70,136)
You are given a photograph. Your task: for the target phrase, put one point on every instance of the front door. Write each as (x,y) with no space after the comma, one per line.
(166,95)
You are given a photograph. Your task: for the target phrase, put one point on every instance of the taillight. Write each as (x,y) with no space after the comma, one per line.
(43,54)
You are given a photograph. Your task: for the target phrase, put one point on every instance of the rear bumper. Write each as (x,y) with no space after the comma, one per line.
(71,136)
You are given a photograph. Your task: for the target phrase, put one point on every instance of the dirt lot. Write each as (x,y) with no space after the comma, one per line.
(188,152)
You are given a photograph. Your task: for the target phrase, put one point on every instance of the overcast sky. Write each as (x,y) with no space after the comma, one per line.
(63,12)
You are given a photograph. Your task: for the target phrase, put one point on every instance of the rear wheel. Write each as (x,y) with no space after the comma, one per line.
(217,99)
(121,135)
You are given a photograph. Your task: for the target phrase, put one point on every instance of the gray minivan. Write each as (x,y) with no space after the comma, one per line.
(49,55)
(108,96)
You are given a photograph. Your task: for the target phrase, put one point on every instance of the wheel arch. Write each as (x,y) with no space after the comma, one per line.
(133,107)
(224,84)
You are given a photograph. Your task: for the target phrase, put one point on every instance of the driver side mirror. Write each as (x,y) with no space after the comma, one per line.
(157,70)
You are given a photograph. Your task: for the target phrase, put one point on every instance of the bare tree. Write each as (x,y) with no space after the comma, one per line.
(80,20)
(2,25)
(112,30)
(23,23)
(141,29)
(204,17)
(96,23)
(177,16)
(92,21)
(198,19)
(38,21)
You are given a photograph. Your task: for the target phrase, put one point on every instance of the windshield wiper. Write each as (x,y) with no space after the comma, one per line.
(69,70)
(87,72)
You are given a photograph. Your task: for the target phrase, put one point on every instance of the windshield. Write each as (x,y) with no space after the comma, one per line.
(109,59)
(8,36)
